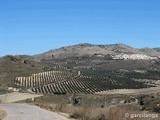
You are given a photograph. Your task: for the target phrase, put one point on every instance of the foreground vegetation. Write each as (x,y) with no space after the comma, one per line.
(3,114)
(100,107)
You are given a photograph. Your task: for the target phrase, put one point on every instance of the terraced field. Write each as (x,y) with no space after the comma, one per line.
(44,78)
(61,80)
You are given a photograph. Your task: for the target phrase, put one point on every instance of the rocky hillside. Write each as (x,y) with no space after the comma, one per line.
(91,49)
(13,66)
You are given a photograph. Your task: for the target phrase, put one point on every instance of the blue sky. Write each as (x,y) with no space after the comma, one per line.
(36,26)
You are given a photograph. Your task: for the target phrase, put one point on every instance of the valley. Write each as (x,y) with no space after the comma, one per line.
(84,77)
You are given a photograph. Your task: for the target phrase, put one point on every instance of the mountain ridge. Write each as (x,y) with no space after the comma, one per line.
(83,49)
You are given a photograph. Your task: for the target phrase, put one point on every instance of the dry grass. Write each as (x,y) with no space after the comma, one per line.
(3,114)
(87,110)
(109,114)
(87,113)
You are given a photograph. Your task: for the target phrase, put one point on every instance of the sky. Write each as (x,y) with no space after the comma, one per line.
(36,26)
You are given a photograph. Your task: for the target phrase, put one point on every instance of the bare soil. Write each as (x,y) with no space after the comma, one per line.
(131,91)
(16,96)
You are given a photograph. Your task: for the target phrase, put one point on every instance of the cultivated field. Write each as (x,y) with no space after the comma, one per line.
(87,87)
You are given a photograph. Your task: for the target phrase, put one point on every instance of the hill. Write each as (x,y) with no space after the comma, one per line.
(12,66)
(98,64)
(82,74)
(157,49)
(91,49)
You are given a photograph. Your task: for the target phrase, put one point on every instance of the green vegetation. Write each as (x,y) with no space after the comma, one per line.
(153,75)
(93,76)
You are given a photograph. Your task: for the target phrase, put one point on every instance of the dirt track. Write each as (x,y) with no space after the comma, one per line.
(16,96)
(132,91)
(27,112)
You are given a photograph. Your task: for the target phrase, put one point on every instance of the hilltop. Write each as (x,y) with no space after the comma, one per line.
(92,49)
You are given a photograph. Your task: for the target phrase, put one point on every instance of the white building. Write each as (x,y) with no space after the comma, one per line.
(133,57)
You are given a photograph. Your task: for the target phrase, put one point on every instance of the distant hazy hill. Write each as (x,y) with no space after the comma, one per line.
(91,49)
(157,49)
(150,51)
